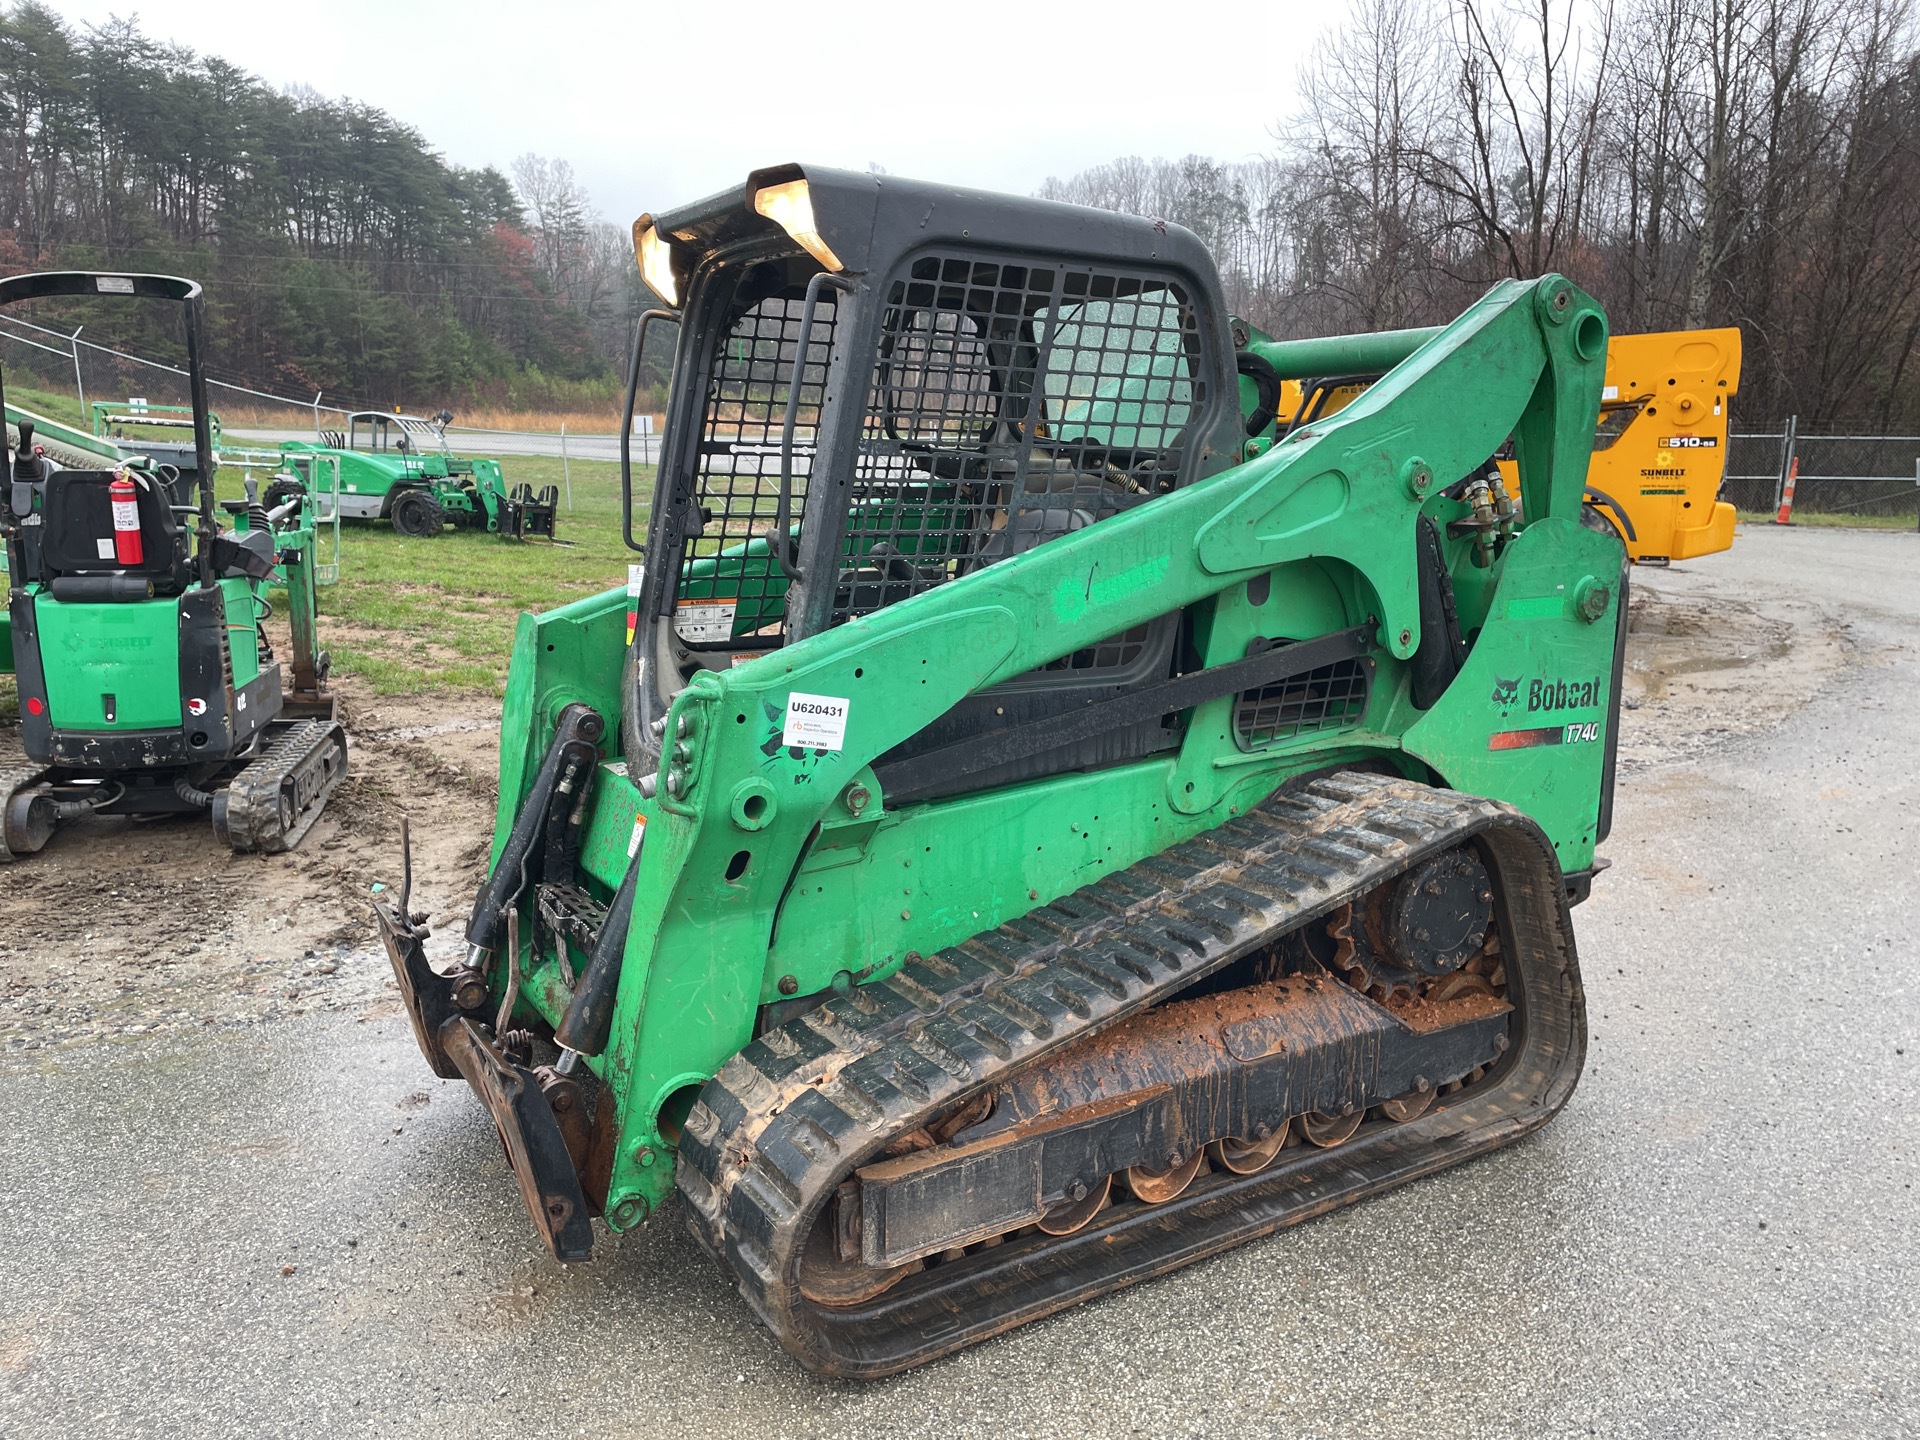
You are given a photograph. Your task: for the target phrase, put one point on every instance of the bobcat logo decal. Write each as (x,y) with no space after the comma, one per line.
(1506,692)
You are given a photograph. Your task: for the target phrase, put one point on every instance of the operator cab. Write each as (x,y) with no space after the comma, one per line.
(75,555)
(884,386)
(374,432)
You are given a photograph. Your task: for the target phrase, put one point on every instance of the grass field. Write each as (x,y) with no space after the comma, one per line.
(1840,520)
(410,616)
(63,408)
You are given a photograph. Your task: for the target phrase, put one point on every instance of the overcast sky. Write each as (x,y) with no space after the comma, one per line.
(656,105)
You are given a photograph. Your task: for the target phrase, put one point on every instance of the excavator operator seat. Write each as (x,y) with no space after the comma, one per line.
(77,531)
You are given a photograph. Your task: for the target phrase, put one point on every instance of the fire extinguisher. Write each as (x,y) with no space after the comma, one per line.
(127,549)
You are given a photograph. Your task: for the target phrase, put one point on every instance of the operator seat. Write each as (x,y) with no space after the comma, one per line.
(77,532)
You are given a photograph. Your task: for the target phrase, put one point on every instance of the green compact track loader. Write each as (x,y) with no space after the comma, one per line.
(1032,826)
(146,683)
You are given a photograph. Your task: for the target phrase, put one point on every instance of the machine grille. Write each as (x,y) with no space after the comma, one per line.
(1325,699)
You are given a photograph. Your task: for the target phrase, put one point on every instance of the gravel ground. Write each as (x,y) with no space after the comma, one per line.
(294,1228)
(247,938)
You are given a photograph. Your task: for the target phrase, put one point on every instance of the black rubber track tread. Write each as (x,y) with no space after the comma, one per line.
(12,780)
(253,796)
(796,1111)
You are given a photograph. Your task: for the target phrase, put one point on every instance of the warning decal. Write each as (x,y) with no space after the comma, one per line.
(704,621)
(636,577)
(815,722)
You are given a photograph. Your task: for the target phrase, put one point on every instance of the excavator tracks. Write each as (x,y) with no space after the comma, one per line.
(16,824)
(277,796)
(784,1143)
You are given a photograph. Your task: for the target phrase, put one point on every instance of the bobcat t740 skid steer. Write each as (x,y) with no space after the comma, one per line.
(1032,828)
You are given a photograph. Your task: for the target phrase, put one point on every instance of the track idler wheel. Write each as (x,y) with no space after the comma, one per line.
(1077,1214)
(1407,1107)
(1156,1187)
(1327,1131)
(29,822)
(1250,1157)
(826,1279)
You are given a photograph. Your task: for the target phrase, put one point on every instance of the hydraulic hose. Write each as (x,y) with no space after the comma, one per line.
(520,863)
(185,790)
(589,1018)
(1266,381)
(73,809)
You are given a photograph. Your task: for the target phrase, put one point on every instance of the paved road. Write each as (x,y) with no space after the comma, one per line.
(1717,1237)
(494,442)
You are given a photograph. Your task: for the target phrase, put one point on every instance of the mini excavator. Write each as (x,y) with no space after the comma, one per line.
(147,686)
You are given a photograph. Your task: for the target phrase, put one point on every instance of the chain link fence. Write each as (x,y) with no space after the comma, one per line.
(1871,476)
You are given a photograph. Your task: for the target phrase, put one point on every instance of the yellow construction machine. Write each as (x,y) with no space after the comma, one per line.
(1659,451)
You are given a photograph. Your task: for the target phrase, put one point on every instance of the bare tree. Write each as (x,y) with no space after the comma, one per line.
(558,212)
(1373,105)
(1747,162)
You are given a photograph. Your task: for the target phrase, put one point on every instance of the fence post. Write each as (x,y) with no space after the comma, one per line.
(73,343)
(566,471)
(1787,440)
(316,415)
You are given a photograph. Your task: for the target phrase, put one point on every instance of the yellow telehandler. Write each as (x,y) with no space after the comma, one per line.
(1659,451)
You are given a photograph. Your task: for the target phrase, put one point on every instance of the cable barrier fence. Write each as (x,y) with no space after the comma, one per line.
(48,356)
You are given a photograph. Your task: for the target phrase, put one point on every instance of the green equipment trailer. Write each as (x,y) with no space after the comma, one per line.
(400,468)
(1035,826)
(146,683)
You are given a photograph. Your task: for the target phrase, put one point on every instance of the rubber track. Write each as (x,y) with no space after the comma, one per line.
(12,780)
(795,1112)
(253,796)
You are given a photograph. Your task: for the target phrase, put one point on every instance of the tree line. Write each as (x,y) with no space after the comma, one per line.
(339,251)
(1691,162)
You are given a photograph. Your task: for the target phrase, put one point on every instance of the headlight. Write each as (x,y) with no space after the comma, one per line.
(656,264)
(790,206)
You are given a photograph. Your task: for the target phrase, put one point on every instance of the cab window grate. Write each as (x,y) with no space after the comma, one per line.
(736,484)
(1013,402)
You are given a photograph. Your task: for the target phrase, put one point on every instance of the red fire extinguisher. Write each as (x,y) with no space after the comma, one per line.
(127,549)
